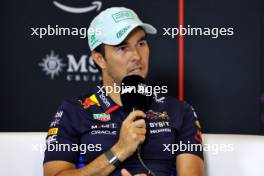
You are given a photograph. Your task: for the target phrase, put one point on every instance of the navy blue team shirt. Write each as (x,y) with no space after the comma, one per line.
(89,126)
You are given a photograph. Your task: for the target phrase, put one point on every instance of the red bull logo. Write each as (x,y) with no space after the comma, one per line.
(92,100)
(198,136)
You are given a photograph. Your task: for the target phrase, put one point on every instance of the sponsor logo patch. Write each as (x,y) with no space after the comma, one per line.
(102,117)
(57,118)
(55,122)
(104,132)
(104,99)
(58,114)
(159,124)
(198,136)
(194,113)
(123,15)
(93,39)
(197,123)
(52,138)
(53,131)
(157,115)
(104,126)
(163,130)
(122,31)
(92,100)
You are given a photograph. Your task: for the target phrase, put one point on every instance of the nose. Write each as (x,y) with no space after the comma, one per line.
(136,55)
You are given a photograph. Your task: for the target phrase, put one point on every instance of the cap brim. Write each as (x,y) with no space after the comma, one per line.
(149,29)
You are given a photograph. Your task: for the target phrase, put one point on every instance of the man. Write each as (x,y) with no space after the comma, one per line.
(98,120)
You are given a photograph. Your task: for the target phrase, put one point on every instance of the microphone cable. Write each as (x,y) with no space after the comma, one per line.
(150,172)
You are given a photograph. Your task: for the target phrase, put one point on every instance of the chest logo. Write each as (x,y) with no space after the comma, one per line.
(92,100)
(102,117)
(157,115)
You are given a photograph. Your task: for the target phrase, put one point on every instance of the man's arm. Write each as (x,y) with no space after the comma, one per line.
(189,165)
(100,166)
(132,134)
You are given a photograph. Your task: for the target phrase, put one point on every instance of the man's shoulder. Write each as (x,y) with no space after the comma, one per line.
(171,104)
(167,101)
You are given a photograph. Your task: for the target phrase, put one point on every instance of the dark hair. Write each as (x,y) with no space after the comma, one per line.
(100,49)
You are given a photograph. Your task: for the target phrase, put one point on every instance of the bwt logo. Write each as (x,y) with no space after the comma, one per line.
(96,5)
(83,69)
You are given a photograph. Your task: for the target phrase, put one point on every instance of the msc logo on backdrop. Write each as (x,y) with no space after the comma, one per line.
(76,70)
(52,65)
(95,5)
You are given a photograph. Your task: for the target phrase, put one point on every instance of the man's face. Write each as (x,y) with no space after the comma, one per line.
(131,57)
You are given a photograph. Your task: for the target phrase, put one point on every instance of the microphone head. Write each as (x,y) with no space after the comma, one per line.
(133,96)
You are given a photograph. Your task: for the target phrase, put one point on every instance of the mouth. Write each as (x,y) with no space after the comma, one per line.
(136,71)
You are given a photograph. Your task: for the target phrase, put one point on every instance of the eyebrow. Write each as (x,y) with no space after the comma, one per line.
(125,42)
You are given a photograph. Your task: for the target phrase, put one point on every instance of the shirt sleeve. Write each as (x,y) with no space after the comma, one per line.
(62,139)
(189,137)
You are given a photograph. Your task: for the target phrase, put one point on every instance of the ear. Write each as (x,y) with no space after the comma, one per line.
(99,59)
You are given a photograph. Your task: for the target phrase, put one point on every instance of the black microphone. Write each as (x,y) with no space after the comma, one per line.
(134,96)
(133,93)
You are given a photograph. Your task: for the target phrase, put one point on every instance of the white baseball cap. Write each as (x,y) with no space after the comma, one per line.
(113,25)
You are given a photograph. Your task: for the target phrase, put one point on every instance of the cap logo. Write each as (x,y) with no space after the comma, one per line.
(122,31)
(93,39)
(123,15)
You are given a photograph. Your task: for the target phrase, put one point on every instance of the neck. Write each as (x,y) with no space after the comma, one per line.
(115,96)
